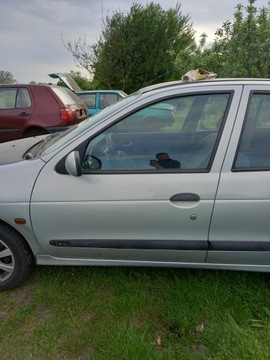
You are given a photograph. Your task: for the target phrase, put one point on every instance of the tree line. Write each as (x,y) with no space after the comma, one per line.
(149,44)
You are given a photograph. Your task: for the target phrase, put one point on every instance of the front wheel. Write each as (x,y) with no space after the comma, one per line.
(16,259)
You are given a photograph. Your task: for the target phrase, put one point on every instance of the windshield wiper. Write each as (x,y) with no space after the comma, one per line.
(38,147)
(47,139)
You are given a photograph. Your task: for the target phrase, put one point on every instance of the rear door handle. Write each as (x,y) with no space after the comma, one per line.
(185,197)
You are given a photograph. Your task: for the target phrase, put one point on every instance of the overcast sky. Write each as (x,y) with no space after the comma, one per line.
(31,30)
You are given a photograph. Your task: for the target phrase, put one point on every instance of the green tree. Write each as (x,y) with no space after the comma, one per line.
(242,47)
(195,56)
(6,77)
(140,47)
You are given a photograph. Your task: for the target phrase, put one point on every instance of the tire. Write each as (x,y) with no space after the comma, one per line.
(16,258)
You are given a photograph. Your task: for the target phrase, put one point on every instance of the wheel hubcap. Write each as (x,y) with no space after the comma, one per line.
(7,262)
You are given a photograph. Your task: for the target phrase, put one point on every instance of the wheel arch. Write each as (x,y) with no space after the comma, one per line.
(16,257)
(34,131)
(12,228)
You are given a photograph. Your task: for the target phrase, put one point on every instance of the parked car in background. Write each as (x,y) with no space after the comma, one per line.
(194,193)
(154,117)
(28,110)
(95,100)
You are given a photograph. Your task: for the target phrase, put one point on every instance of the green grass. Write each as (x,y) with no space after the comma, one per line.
(136,314)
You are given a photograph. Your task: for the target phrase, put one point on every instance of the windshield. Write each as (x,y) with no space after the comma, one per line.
(54,143)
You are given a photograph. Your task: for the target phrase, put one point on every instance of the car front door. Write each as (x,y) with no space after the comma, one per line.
(144,196)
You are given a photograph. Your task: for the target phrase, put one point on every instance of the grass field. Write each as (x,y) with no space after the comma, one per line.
(136,314)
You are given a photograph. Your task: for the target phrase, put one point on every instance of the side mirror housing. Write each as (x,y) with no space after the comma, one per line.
(73,163)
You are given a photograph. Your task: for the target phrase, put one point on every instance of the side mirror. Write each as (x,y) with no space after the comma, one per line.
(73,164)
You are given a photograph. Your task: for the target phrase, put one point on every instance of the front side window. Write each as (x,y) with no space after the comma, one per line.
(254,146)
(178,134)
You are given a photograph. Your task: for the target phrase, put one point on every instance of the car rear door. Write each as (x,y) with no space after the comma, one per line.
(240,226)
(128,211)
(15,111)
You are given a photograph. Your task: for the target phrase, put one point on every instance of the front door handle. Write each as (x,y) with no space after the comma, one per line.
(185,197)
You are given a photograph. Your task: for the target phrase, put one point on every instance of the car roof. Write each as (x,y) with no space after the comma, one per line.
(27,85)
(101,91)
(168,84)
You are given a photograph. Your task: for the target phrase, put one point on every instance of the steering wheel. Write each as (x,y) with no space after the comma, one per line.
(119,156)
(113,143)
(91,162)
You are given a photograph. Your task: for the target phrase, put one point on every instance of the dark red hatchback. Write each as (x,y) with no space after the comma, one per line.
(29,110)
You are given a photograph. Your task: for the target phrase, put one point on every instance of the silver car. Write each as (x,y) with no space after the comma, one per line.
(190,193)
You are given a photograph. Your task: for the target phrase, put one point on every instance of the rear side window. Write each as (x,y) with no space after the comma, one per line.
(254,147)
(23,98)
(11,98)
(66,96)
